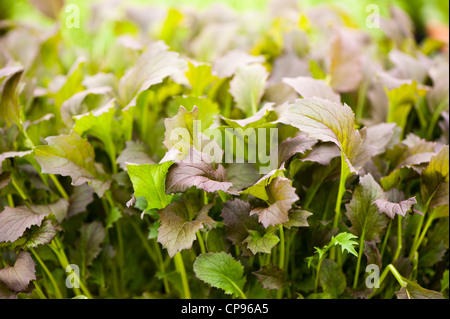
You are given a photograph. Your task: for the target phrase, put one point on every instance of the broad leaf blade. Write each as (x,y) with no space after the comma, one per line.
(222,271)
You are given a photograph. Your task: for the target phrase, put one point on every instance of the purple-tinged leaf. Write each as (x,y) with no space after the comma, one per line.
(226,66)
(6,155)
(329,122)
(297,218)
(18,277)
(87,246)
(270,276)
(413,290)
(281,195)
(345,62)
(293,145)
(15,220)
(323,154)
(372,253)
(237,219)
(196,170)
(309,87)
(390,209)
(151,68)
(134,153)
(81,197)
(179,225)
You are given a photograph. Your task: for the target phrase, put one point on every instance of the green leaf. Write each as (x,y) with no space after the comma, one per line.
(401,101)
(261,243)
(445,281)
(332,279)
(329,122)
(259,188)
(222,271)
(434,187)
(345,240)
(247,87)
(200,77)
(106,125)
(149,181)
(71,85)
(70,155)
(179,225)
(207,109)
(9,101)
(366,221)
(181,130)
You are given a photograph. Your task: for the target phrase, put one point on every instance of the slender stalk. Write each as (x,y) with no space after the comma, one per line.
(396,274)
(388,232)
(399,239)
(345,172)
(358,264)
(57,248)
(179,265)
(10,200)
(59,187)
(39,291)
(158,259)
(417,235)
(19,190)
(201,242)
(316,283)
(48,273)
(281,257)
(424,231)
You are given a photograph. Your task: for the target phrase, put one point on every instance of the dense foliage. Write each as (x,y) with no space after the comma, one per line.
(118,179)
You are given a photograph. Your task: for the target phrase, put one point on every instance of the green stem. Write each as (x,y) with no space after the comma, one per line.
(358,264)
(345,172)
(201,242)
(39,291)
(19,190)
(57,248)
(399,239)
(424,231)
(281,257)
(417,235)
(179,265)
(316,283)
(59,187)
(10,200)
(48,273)
(396,274)
(388,232)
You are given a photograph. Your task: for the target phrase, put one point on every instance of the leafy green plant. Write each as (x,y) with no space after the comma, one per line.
(152,158)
